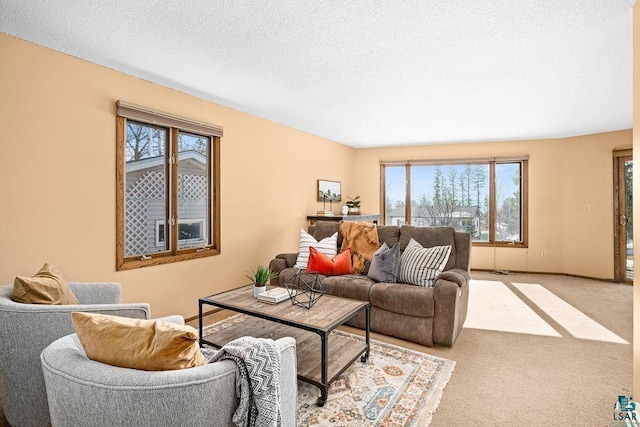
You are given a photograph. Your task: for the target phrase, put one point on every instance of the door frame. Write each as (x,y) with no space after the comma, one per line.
(619,230)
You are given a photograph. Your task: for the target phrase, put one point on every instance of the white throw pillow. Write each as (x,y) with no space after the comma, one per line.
(327,246)
(420,266)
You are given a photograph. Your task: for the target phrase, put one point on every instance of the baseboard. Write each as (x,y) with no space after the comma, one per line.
(204,314)
(506,272)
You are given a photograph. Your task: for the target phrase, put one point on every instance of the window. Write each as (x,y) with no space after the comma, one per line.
(168,180)
(486,198)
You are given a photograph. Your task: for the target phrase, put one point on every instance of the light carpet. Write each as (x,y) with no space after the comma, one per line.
(396,387)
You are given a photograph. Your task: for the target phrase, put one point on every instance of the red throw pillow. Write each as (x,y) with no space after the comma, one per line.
(319,262)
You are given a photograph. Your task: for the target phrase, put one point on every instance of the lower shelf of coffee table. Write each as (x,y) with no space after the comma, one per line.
(342,351)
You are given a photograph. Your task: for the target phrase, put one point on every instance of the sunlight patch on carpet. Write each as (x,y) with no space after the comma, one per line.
(493,306)
(570,318)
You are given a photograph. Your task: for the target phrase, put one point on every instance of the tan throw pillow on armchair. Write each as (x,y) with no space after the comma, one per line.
(150,345)
(48,286)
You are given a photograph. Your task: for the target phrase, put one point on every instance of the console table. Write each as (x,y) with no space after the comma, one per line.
(372,218)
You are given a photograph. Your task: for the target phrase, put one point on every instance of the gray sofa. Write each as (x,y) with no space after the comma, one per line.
(82,392)
(422,315)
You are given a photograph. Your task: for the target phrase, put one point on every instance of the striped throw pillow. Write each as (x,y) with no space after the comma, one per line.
(327,246)
(420,266)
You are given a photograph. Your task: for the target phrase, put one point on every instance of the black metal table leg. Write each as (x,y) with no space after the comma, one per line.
(324,390)
(365,356)
(200,322)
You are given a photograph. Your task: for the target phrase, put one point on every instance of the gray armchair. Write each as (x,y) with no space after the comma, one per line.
(26,329)
(83,392)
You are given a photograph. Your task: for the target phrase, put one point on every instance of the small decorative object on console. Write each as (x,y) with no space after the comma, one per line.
(306,288)
(353,205)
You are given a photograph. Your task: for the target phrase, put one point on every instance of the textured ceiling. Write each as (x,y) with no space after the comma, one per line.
(362,72)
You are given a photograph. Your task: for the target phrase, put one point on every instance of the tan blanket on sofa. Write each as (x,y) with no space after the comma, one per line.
(362,239)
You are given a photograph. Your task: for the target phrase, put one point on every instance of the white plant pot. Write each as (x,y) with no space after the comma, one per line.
(257,290)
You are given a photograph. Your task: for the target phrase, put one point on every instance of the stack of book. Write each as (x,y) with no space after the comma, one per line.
(274,296)
(324,213)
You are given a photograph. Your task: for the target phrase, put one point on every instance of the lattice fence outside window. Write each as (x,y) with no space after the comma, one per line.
(192,187)
(140,230)
(139,227)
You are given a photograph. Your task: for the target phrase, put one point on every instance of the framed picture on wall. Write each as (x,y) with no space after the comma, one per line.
(329,191)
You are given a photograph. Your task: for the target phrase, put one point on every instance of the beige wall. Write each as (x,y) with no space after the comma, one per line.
(563,173)
(58,179)
(636,200)
(58,192)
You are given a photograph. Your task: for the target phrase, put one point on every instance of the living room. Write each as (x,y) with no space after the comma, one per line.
(59,163)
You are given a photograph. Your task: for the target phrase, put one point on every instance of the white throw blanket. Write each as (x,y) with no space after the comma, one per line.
(257,380)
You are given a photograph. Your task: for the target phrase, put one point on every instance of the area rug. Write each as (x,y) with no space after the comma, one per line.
(396,387)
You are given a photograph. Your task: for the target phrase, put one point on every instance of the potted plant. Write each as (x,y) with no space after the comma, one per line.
(354,205)
(259,277)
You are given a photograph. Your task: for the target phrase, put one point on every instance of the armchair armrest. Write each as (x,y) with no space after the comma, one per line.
(150,397)
(288,381)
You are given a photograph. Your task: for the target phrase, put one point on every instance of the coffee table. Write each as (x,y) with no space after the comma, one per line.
(321,357)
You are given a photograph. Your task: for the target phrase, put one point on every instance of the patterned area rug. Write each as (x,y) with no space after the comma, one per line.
(396,387)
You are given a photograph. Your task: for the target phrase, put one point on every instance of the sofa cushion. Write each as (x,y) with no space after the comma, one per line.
(389,234)
(150,345)
(327,246)
(385,264)
(323,229)
(420,266)
(47,286)
(403,299)
(320,263)
(429,237)
(354,286)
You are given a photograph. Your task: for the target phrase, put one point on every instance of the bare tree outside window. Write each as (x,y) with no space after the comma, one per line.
(458,195)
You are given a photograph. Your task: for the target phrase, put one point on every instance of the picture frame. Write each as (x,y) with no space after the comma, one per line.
(329,191)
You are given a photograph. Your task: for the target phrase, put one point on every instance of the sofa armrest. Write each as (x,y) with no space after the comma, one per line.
(455,275)
(281,262)
(290,259)
(451,297)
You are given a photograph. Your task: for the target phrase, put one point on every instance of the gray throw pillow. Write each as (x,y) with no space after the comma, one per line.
(385,264)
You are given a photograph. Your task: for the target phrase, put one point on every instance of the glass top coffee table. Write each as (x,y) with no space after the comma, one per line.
(321,358)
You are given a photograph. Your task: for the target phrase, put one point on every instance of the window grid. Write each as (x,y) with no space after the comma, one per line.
(498,219)
(189,164)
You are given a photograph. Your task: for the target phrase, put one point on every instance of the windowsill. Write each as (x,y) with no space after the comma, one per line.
(132,263)
(520,245)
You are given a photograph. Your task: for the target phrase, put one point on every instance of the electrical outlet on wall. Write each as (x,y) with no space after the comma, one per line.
(584,208)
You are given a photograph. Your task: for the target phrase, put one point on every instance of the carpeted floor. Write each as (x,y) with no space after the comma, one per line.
(559,355)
